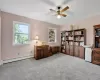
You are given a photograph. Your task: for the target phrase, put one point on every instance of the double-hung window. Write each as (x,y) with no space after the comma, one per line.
(20,33)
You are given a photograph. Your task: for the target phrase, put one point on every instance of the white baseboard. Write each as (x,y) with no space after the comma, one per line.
(1,62)
(17,59)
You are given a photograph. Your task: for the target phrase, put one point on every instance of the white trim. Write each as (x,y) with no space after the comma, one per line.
(1,62)
(55,30)
(14,22)
(17,59)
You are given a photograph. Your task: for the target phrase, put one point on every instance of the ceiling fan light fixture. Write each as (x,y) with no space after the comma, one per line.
(58,16)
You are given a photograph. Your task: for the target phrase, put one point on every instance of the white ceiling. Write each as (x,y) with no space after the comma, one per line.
(39,9)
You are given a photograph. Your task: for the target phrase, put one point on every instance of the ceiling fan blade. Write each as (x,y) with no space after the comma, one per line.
(66,8)
(64,15)
(49,2)
(52,10)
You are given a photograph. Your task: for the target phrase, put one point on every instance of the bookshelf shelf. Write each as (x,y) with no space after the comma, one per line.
(97,36)
(78,41)
(78,35)
(69,40)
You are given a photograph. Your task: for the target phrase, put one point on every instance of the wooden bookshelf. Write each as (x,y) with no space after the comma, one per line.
(73,41)
(63,42)
(96,36)
(96,49)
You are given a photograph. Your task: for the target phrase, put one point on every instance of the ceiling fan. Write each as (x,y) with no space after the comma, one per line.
(59,11)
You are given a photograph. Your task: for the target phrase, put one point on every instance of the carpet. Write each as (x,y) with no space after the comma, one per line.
(56,67)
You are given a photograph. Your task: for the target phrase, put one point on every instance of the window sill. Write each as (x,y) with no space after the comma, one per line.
(21,44)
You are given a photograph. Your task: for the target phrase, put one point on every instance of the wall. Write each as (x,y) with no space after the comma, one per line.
(87,23)
(9,51)
(0,36)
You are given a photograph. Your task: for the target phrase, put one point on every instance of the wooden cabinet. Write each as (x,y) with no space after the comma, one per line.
(42,51)
(96,56)
(45,51)
(71,50)
(55,49)
(81,52)
(96,49)
(76,51)
(67,49)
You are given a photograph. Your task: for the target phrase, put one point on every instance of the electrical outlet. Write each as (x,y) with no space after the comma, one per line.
(18,53)
(31,51)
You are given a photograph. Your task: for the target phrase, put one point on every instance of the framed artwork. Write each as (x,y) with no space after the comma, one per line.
(51,35)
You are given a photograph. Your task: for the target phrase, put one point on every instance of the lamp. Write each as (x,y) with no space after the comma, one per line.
(36,39)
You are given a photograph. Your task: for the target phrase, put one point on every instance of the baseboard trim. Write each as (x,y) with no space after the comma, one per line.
(1,62)
(17,59)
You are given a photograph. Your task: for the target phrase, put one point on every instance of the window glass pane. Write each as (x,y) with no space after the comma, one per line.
(21,38)
(21,28)
(16,28)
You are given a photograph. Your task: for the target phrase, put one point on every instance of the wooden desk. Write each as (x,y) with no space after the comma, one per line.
(45,51)
(55,49)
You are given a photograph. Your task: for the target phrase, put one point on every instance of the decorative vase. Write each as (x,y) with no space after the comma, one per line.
(71,27)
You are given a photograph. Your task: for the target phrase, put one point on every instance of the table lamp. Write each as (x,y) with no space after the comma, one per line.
(36,38)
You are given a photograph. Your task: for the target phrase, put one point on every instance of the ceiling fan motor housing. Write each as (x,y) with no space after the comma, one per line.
(59,7)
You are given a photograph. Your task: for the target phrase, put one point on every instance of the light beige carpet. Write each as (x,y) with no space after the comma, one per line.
(56,67)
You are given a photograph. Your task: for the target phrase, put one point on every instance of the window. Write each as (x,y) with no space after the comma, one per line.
(21,33)
(52,35)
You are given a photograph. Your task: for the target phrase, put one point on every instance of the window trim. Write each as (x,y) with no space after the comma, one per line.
(17,22)
(55,30)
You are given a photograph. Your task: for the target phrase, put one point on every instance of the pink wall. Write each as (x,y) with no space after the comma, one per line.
(0,35)
(9,51)
(87,23)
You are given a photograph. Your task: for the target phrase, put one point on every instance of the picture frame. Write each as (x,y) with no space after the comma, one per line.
(52,35)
